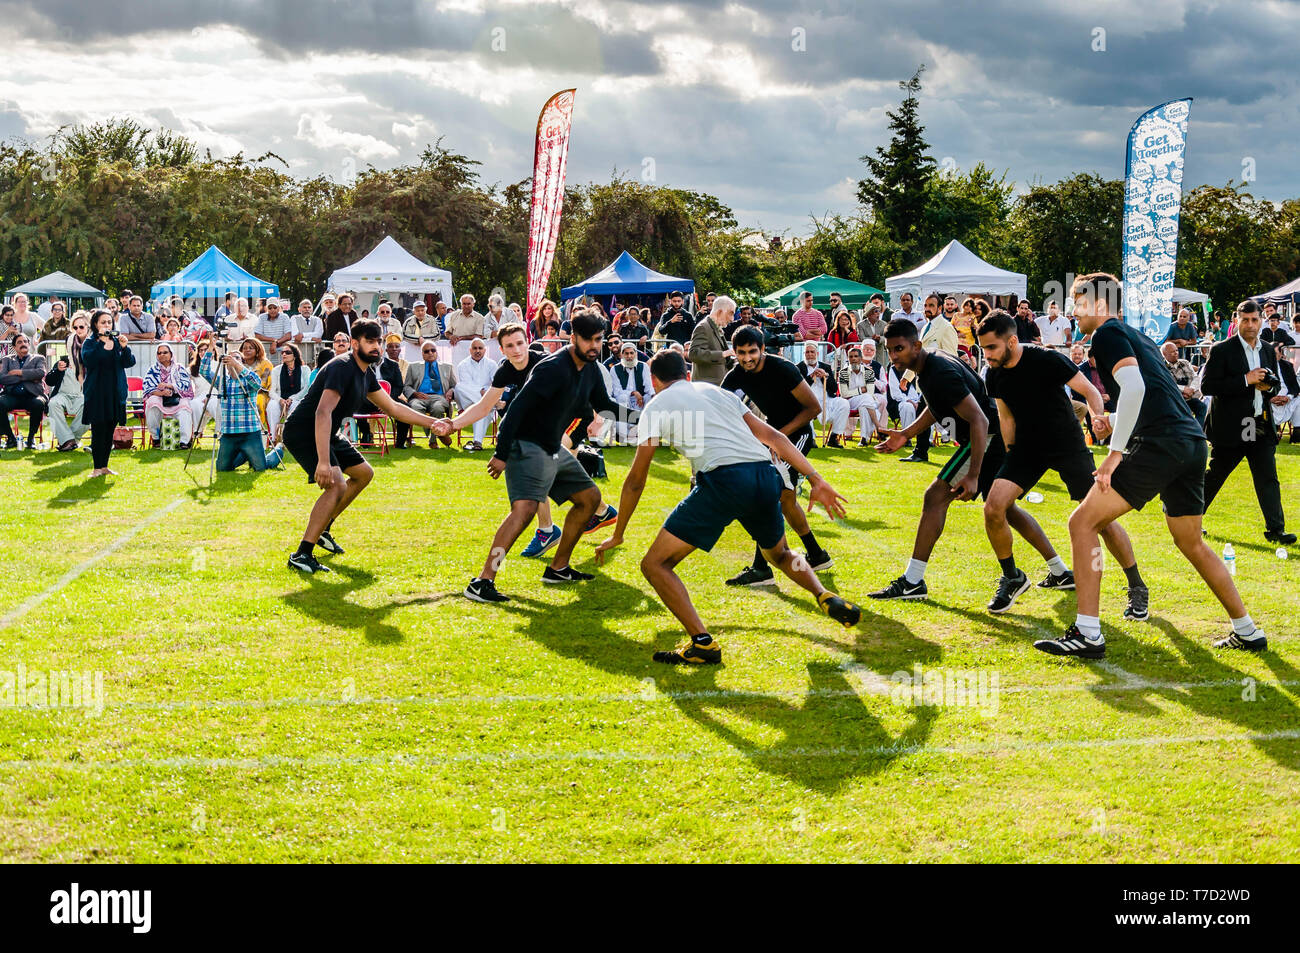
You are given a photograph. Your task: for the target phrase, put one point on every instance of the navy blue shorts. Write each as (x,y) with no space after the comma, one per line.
(748,492)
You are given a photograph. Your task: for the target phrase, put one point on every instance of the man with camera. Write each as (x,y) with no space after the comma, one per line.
(240,423)
(1241,377)
(675,323)
(22,387)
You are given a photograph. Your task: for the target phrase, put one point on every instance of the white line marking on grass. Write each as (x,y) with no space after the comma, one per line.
(71,575)
(1123,674)
(263,762)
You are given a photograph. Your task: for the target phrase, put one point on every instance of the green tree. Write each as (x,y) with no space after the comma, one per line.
(898,176)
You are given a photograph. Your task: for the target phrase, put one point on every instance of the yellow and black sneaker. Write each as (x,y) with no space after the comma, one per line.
(841,610)
(693,653)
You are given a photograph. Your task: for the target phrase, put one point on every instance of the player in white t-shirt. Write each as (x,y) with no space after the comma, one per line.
(731,455)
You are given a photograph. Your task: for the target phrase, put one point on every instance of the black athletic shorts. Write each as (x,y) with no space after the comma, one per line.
(746,492)
(1173,468)
(803,440)
(958,464)
(1026,467)
(342,454)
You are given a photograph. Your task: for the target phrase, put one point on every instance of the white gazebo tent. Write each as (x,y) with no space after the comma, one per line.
(956,270)
(389,269)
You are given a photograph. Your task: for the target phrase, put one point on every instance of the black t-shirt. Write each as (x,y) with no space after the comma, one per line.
(342,374)
(510,379)
(555,394)
(1034,392)
(945,382)
(634,332)
(771,389)
(1164,413)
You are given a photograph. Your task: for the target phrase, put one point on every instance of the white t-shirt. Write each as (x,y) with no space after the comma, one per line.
(704,422)
(1053,332)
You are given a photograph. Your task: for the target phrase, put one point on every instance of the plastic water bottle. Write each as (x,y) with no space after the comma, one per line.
(1230,559)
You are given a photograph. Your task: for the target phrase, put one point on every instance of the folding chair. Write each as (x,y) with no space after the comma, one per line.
(135,407)
(378,428)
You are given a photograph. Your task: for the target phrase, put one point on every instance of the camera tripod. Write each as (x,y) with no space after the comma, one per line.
(220,382)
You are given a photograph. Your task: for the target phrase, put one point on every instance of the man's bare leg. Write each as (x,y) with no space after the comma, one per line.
(584,504)
(516,521)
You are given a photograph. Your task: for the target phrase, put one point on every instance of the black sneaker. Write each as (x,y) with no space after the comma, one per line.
(326,542)
(864,442)
(819,561)
(710,653)
(914,457)
(1072,644)
(749,576)
(308,564)
(1138,603)
(567,574)
(484,590)
(900,588)
(1010,588)
(1064,580)
(1255,642)
(841,610)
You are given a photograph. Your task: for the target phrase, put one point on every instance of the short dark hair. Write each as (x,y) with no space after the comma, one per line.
(509,328)
(587,325)
(902,328)
(937,299)
(998,322)
(668,365)
(1247,307)
(747,335)
(362,329)
(1099,284)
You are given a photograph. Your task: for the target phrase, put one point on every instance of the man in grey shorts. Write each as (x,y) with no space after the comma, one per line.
(530,452)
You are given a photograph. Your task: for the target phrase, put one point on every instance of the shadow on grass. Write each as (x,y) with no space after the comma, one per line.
(326,599)
(93,488)
(830,718)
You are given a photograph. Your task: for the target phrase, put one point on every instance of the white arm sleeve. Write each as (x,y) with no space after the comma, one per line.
(1131,390)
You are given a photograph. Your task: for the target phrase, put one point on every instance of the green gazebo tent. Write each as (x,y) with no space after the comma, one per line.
(854,293)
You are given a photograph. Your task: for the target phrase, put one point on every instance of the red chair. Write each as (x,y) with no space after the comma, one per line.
(135,407)
(40,428)
(378,428)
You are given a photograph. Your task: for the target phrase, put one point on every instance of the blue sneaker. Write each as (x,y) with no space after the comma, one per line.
(598,520)
(542,541)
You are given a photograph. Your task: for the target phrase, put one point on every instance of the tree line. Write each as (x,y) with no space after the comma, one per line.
(122,206)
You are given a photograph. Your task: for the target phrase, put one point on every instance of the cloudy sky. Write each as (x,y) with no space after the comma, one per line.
(766,104)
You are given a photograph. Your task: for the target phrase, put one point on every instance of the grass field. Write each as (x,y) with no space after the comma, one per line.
(374,714)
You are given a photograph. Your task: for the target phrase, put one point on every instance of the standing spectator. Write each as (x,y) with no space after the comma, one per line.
(307,327)
(495,317)
(905,310)
(274,327)
(1053,327)
(473,378)
(421,326)
(872,326)
(1182,333)
(1026,325)
(964,324)
(135,323)
(22,387)
(844,333)
(545,314)
(241,323)
(168,392)
(238,423)
(106,358)
(675,324)
(634,329)
(227,308)
(387,323)
(66,380)
(1275,334)
(440,310)
(289,384)
(707,309)
(27,321)
(877,300)
(429,385)
(709,348)
(55,327)
(939,334)
(339,320)
(465,323)
(812,323)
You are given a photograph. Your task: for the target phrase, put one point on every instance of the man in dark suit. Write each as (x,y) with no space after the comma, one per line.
(22,387)
(1241,377)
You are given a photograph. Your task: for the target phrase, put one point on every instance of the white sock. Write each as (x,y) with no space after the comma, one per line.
(1243,626)
(1090,626)
(1056,565)
(544,529)
(915,571)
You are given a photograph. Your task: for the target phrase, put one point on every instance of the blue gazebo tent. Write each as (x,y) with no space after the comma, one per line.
(1288,293)
(627,276)
(211,275)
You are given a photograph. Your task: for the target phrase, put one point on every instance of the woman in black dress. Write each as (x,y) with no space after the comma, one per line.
(106,358)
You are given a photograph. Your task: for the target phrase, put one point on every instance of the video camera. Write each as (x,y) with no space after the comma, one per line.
(776,334)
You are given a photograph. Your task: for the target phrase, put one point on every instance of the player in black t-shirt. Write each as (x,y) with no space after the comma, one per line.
(311,433)
(1156,447)
(956,400)
(1041,432)
(510,376)
(783,397)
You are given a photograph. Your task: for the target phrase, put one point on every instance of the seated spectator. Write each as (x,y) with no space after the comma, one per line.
(168,392)
(340,345)
(136,324)
(1286,404)
(844,333)
(901,399)
(821,378)
(56,326)
(630,380)
(465,323)
(860,384)
(429,385)
(289,383)
(873,323)
(65,381)
(1053,327)
(473,378)
(1187,379)
(239,423)
(22,387)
